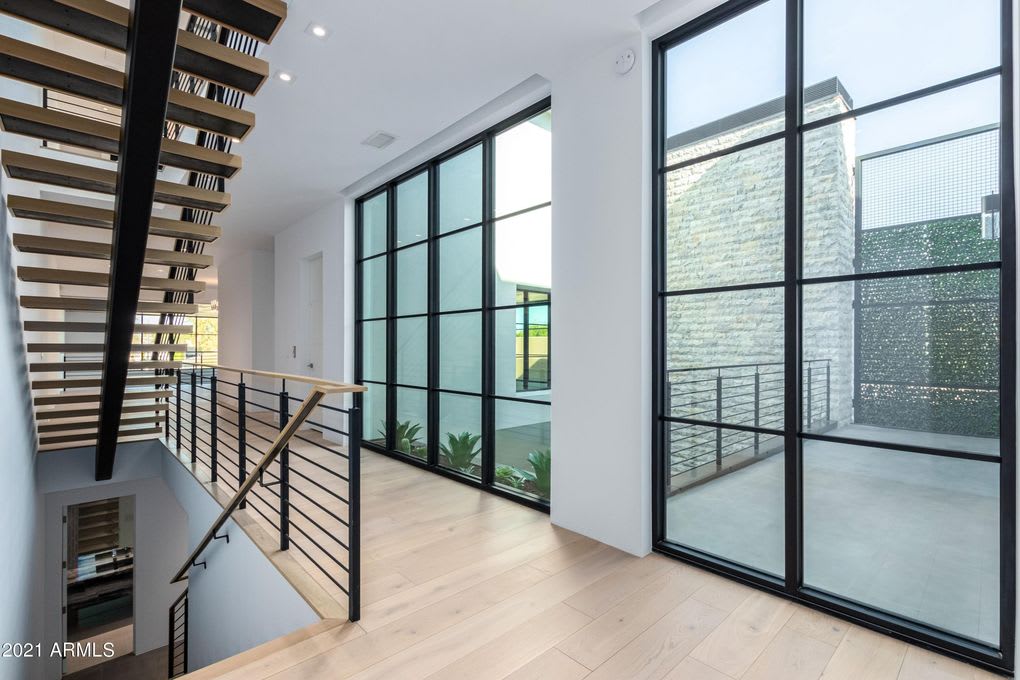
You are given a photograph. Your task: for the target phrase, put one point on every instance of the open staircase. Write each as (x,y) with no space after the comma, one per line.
(73,195)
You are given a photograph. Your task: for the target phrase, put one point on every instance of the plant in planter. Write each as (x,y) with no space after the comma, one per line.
(461,450)
(540,475)
(508,475)
(405,438)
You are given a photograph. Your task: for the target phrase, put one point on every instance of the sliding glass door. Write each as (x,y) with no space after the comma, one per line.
(454,288)
(834,310)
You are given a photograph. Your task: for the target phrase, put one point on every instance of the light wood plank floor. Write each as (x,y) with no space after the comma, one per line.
(462,584)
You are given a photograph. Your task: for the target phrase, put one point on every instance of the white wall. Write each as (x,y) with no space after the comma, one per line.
(68,478)
(239,600)
(246,310)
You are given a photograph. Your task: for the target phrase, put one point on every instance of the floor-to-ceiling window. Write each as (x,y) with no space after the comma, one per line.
(454,288)
(834,312)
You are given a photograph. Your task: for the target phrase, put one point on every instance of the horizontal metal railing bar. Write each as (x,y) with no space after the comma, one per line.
(750,365)
(330,428)
(262,437)
(341,454)
(319,465)
(253,506)
(323,385)
(318,545)
(229,408)
(713,378)
(315,483)
(325,573)
(252,388)
(335,409)
(228,433)
(319,527)
(320,506)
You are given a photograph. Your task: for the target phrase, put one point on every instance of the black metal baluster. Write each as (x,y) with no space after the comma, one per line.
(242,458)
(354,514)
(284,476)
(194,410)
(718,419)
(212,424)
(177,437)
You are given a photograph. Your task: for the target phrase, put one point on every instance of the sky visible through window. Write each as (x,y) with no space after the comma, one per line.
(877,48)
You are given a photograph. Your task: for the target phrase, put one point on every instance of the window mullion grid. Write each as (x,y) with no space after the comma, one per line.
(391,324)
(488,381)
(359,324)
(793,453)
(432,399)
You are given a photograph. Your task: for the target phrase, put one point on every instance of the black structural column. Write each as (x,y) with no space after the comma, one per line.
(152,39)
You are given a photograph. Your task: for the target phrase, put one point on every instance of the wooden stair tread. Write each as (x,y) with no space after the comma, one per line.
(56,126)
(260,19)
(106,24)
(96,347)
(101,280)
(101,180)
(51,245)
(101,218)
(92,366)
(99,327)
(88,398)
(54,414)
(74,383)
(86,438)
(50,69)
(100,305)
(93,425)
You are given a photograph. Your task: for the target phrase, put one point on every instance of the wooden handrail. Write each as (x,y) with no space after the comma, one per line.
(328,386)
(315,395)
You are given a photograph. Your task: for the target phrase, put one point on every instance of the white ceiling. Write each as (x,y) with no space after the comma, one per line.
(409,68)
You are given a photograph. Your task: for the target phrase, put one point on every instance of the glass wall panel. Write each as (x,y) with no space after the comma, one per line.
(523,158)
(373,287)
(373,225)
(412,351)
(523,340)
(460,352)
(523,255)
(876,50)
(412,280)
(908,533)
(460,190)
(374,350)
(413,210)
(523,450)
(460,270)
(460,433)
(724,357)
(715,79)
(737,516)
(410,432)
(373,417)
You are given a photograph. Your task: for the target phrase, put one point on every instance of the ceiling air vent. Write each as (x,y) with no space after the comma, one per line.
(380,140)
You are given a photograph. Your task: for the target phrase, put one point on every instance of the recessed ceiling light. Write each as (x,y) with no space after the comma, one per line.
(285,76)
(317,30)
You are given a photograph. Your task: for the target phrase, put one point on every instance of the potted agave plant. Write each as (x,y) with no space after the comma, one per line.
(461,450)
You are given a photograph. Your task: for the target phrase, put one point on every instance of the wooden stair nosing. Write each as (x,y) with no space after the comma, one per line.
(86,438)
(100,280)
(90,412)
(96,347)
(260,19)
(94,366)
(87,216)
(94,425)
(50,69)
(65,247)
(65,128)
(100,305)
(106,24)
(86,397)
(60,173)
(99,327)
(81,383)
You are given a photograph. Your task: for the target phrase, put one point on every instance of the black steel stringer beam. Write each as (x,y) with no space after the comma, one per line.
(152,40)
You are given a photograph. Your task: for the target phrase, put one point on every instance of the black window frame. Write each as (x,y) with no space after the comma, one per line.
(488,395)
(791,585)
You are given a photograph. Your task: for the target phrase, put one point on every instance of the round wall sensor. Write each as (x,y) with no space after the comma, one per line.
(625,62)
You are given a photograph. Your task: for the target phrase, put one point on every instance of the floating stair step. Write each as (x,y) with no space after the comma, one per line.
(93,425)
(98,327)
(57,414)
(86,438)
(87,178)
(74,383)
(50,245)
(57,71)
(260,19)
(101,218)
(90,398)
(100,280)
(106,24)
(100,305)
(93,366)
(95,347)
(55,126)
